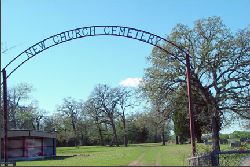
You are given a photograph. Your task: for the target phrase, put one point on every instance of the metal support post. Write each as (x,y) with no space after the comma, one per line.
(190,105)
(1,130)
(5,116)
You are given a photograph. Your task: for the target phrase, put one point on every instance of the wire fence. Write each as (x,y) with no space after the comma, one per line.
(226,158)
(233,158)
(201,160)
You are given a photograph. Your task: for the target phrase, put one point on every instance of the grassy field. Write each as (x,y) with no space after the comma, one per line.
(140,154)
(151,154)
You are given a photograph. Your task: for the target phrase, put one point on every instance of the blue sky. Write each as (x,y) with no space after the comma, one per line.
(74,68)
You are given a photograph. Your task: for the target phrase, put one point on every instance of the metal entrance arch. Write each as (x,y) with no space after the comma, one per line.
(82,32)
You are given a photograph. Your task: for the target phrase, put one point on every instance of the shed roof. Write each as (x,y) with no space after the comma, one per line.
(31,133)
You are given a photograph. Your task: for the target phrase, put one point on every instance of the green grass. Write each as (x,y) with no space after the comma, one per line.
(141,154)
(151,154)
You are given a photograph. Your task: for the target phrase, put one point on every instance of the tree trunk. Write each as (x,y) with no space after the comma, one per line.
(100,134)
(74,130)
(115,138)
(176,139)
(14,123)
(198,134)
(112,141)
(215,139)
(82,142)
(215,132)
(163,137)
(215,117)
(14,119)
(155,136)
(125,137)
(38,125)
(180,139)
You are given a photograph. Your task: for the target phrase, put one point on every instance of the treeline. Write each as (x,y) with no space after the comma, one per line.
(105,118)
(236,135)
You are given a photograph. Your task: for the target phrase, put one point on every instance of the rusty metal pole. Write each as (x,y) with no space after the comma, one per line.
(5,116)
(190,105)
(1,131)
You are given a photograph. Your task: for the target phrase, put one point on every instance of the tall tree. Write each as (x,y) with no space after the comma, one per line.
(124,102)
(71,109)
(139,128)
(49,123)
(107,100)
(157,94)
(179,106)
(95,113)
(17,96)
(220,66)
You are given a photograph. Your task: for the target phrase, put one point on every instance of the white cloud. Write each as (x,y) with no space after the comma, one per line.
(131,82)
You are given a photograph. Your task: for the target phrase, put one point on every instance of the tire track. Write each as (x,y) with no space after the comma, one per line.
(137,162)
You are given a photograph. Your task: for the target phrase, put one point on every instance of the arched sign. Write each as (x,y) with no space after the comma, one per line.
(83,32)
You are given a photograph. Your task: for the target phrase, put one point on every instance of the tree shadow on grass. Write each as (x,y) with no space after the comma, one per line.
(59,157)
(62,157)
(144,145)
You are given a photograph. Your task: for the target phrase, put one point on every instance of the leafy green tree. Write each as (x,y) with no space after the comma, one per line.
(220,67)
(125,102)
(106,99)
(23,111)
(181,126)
(224,136)
(95,114)
(202,122)
(49,123)
(240,134)
(62,126)
(157,95)
(137,132)
(17,96)
(147,121)
(70,110)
